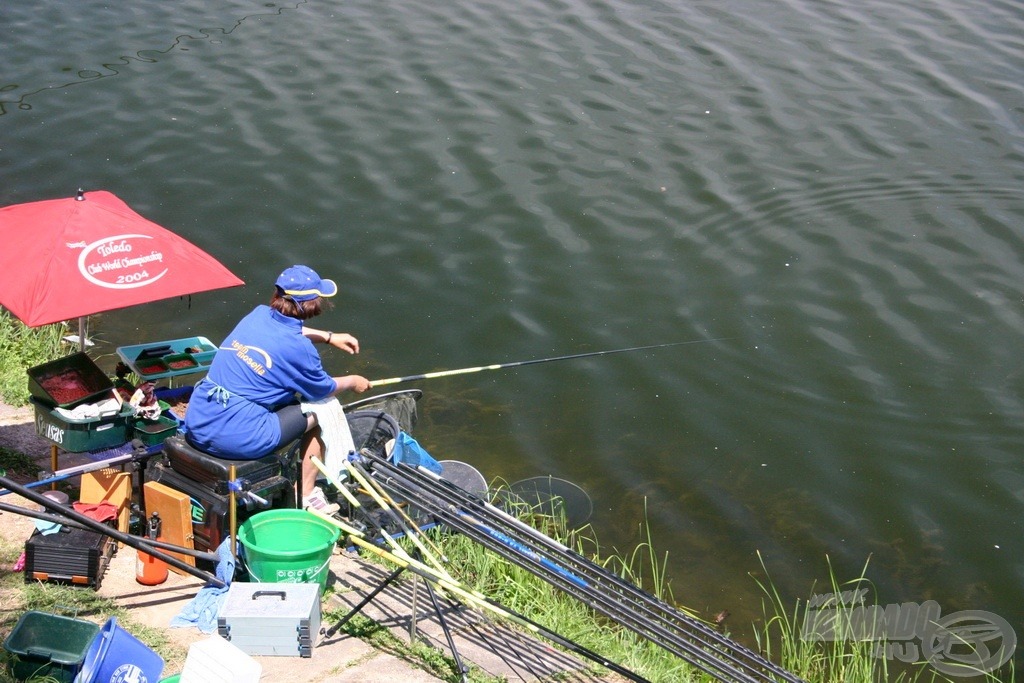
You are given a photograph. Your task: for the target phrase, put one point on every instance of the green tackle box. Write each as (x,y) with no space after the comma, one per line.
(78,436)
(153,432)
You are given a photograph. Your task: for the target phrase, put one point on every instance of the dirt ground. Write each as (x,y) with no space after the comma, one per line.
(18,432)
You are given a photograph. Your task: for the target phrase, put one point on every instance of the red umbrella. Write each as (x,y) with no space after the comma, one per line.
(70,258)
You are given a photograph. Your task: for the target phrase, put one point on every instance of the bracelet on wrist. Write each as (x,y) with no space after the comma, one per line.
(329,335)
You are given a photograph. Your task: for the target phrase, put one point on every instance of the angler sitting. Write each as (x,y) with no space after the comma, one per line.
(248,404)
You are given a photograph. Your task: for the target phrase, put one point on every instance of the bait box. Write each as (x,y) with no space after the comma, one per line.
(142,355)
(186,361)
(93,383)
(153,432)
(151,368)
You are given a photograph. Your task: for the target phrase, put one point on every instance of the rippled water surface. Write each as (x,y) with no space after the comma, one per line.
(827,192)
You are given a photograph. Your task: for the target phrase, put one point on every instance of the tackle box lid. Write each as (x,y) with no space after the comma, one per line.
(159,354)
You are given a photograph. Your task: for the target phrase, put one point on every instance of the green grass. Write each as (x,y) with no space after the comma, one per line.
(21,348)
(787,637)
(17,465)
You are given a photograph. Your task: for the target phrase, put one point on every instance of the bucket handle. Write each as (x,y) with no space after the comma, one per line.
(66,609)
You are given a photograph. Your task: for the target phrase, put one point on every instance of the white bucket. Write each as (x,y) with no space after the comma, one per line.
(215,660)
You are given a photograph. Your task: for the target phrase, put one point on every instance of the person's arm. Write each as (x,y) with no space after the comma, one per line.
(356,383)
(339,340)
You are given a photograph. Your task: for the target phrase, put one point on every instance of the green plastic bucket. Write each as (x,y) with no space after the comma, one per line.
(288,546)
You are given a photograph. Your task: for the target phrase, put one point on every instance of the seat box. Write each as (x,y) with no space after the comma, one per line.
(210,503)
(76,556)
(271,618)
(49,646)
(201,467)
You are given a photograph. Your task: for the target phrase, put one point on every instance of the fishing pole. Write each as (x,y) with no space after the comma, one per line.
(389,507)
(385,534)
(516,364)
(64,520)
(660,634)
(445,509)
(446,582)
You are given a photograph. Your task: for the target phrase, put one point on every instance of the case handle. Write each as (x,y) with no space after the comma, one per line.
(260,594)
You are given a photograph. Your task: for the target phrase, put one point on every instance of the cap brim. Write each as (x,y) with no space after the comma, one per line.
(328,288)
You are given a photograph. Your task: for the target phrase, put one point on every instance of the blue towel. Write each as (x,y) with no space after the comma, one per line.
(46,528)
(407,450)
(202,610)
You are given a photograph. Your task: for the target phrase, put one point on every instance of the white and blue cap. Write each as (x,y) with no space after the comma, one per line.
(302,283)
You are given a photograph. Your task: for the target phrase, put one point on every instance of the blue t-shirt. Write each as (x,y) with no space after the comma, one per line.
(259,367)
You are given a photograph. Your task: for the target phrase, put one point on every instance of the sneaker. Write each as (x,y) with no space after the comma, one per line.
(317,501)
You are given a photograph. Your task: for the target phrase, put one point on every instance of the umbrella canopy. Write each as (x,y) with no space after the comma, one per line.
(70,258)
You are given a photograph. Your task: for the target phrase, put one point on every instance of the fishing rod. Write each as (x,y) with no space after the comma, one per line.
(516,364)
(446,582)
(64,520)
(649,614)
(390,507)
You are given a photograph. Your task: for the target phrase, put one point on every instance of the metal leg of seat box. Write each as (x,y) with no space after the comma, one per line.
(365,601)
(291,469)
(463,670)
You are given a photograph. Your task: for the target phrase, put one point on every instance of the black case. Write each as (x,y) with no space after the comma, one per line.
(77,556)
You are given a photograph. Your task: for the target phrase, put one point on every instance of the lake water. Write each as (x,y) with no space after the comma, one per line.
(829,190)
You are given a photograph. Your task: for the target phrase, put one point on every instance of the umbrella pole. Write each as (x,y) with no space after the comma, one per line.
(82,329)
(53,464)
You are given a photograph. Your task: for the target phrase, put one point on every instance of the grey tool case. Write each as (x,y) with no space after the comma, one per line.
(271,618)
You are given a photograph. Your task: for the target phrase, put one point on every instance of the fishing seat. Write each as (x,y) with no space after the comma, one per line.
(199,466)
